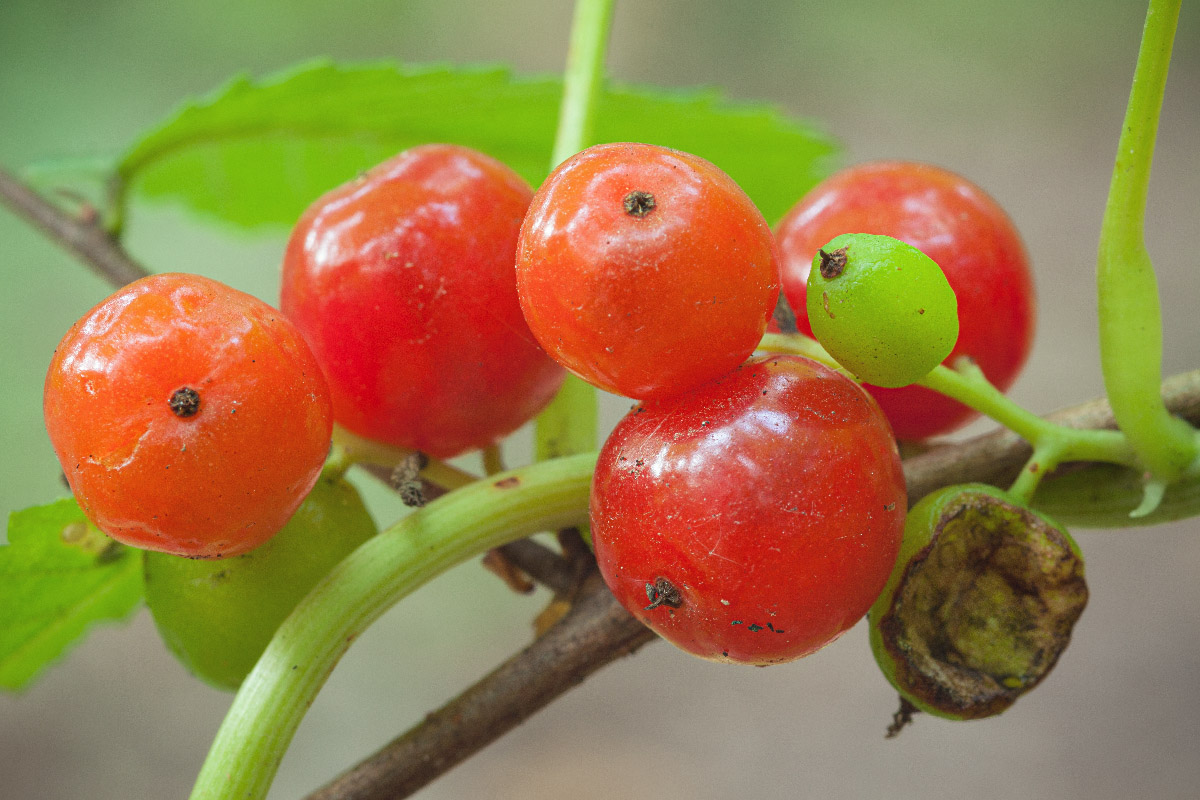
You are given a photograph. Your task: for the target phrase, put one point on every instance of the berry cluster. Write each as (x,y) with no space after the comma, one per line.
(747,509)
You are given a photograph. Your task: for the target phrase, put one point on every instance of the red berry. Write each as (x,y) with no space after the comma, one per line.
(645,271)
(188,417)
(402,282)
(957,225)
(755,519)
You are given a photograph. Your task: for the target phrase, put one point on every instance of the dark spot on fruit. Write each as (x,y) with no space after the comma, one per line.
(755,627)
(833,264)
(920,311)
(662,593)
(185,402)
(638,203)
(508,483)
(890,507)
(736,622)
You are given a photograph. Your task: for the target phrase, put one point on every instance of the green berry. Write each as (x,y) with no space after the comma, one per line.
(882,308)
(980,604)
(218,616)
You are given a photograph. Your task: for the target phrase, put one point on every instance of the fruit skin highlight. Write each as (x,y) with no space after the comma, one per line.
(188,417)
(960,227)
(882,308)
(402,281)
(218,616)
(754,520)
(645,271)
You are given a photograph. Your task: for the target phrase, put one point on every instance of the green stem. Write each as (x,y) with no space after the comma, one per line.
(368,451)
(973,389)
(268,708)
(1043,460)
(1130,317)
(569,424)
(1052,443)
(583,78)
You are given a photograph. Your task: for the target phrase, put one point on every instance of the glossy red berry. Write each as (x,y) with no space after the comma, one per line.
(755,519)
(188,417)
(645,271)
(402,282)
(956,224)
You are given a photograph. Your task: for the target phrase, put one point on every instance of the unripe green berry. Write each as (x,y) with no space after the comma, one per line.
(218,616)
(882,308)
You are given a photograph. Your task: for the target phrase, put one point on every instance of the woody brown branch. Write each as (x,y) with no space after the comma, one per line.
(84,238)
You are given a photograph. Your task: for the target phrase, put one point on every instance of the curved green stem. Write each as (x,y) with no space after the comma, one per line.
(268,708)
(1053,444)
(972,388)
(1130,317)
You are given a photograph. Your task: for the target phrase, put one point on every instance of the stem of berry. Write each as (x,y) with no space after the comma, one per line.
(268,708)
(583,78)
(368,451)
(569,424)
(1053,444)
(1130,317)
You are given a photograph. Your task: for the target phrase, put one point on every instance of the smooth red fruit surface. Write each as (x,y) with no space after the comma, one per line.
(763,511)
(956,224)
(402,282)
(644,270)
(188,417)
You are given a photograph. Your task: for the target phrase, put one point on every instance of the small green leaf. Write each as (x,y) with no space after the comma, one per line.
(258,152)
(58,576)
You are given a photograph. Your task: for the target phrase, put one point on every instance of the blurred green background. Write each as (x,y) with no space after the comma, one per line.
(1024,97)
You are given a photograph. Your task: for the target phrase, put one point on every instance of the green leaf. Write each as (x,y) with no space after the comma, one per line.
(58,576)
(258,152)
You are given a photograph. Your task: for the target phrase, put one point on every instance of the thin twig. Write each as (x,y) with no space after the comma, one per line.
(597,630)
(542,564)
(86,239)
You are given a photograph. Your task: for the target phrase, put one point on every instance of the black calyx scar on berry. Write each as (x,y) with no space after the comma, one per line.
(834,263)
(638,203)
(662,593)
(185,402)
